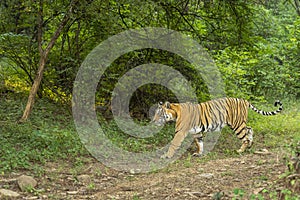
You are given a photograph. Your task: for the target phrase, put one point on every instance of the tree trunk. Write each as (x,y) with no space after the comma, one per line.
(297,4)
(43,57)
(34,89)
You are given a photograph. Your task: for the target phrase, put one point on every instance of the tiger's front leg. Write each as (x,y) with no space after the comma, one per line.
(199,142)
(175,144)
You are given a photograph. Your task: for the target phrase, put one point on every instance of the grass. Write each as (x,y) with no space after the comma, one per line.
(281,130)
(50,134)
(136,144)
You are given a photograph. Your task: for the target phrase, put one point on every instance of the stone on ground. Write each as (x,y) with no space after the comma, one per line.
(26,182)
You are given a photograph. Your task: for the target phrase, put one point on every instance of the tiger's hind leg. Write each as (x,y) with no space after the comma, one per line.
(250,136)
(199,142)
(247,139)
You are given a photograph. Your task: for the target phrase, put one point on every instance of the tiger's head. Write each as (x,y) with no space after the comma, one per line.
(164,113)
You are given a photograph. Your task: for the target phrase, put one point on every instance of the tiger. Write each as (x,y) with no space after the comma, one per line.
(207,117)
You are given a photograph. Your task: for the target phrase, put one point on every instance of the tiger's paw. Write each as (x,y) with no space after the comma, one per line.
(250,144)
(198,154)
(165,156)
(240,151)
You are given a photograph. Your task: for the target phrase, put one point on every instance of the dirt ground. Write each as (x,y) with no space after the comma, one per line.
(184,179)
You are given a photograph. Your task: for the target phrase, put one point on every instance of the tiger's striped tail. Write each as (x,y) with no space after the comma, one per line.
(268,113)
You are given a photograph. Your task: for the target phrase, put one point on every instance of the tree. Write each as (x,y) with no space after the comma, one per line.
(297,6)
(44,55)
(249,38)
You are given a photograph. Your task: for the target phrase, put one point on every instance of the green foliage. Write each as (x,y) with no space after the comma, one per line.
(255,45)
(48,136)
(133,144)
(285,194)
(238,193)
(265,194)
(285,124)
(269,64)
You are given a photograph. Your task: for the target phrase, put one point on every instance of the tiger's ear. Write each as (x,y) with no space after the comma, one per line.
(167,105)
(160,104)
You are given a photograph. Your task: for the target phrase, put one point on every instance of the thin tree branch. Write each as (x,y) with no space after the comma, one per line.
(122,17)
(60,28)
(297,4)
(40,28)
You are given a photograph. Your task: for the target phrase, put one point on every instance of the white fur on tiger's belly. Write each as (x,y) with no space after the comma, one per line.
(210,128)
(195,130)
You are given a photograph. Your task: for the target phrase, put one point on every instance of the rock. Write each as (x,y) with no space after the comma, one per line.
(72,192)
(8,193)
(113,196)
(206,175)
(134,171)
(86,179)
(32,198)
(262,152)
(258,190)
(26,182)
